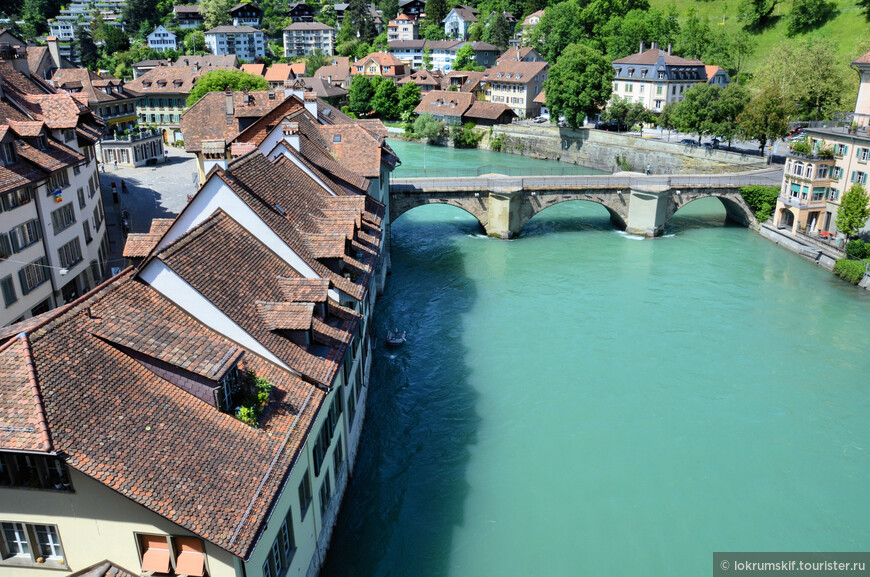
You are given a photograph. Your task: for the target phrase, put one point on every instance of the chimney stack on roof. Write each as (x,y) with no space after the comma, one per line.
(291,133)
(669,48)
(54,50)
(311,103)
(655,45)
(228,95)
(642,46)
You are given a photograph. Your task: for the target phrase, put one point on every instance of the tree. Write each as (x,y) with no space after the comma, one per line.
(427,59)
(465,59)
(432,31)
(386,99)
(807,15)
(193,41)
(638,114)
(360,95)
(389,8)
(666,118)
(725,110)
(409,98)
(315,61)
(765,117)
(579,84)
(220,80)
(115,40)
(755,13)
(436,12)
(427,127)
(358,19)
(380,43)
(854,211)
(557,29)
(137,12)
(85,48)
(616,110)
(327,15)
(864,5)
(693,114)
(694,37)
(624,34)
(217,12)
(500,31)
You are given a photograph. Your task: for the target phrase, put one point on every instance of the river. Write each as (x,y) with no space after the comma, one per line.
(580,402)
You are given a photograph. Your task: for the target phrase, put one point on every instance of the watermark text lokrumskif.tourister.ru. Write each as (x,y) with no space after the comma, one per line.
(808,564)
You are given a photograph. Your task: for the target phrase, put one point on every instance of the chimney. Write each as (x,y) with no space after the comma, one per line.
(228,95)
(655,45)
(291,133)
(669,48)
(642,46)
(54,50)
(291,90)
(311,103)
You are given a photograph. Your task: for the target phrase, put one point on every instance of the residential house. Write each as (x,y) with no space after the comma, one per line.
(253,68)
(806,191)
(306,38)
(459,20)
(529,22)
(300,12)
(516,84)
(162,39)
(53,240)
(244,41)
(162,97)
(334,95)
(520,54)
(337,73)
(452,107)
(656,77)
(188,16)
(106,96)
(442,53)
(39,62)
(341,7)
(403,27)
(246,14)
(208,62)
(717,76)
(143,66)
(424,79)
(81,13)
(278,74)
(379,64)
(465,81)
(415,9)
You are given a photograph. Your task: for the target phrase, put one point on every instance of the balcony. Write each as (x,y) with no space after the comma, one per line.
(133,137)
(803,202)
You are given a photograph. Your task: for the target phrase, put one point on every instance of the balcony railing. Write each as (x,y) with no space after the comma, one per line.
(802,202)
(132,137)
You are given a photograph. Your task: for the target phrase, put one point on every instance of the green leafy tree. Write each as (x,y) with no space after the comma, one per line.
(617,110)
(694,36)
(217,12)
(693,114)
(35,14)
(465,59)
(761,199)
(725,110)
(315,61)
(427,59)
(436,12)
(808,15)
(854,211)
(432,31)
(360,95)
(115,40)
(389,8)
(557,29)
(638,114)
(500,31)
(731,50)
(622,35)
(766,117)
(380,44)
(579,84)
(666,118)
(385,102)
(85,47)
(755,13)
(409,98)
(137,12)
(220,80)
(596,14)
(327,15)
(864,5)
(427,127)
(194,42)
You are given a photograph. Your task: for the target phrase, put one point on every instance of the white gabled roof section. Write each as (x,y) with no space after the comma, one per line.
(171,285)
(273,147)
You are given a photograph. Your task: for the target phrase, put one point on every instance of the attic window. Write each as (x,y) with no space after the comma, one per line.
(336,138)
(271,95)
(146,84)
(40,142)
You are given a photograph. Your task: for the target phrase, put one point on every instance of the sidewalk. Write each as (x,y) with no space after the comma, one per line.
(152,192)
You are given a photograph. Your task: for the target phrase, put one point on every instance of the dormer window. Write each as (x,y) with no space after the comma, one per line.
(40,142)
(336,138)
(643,73)
(8,154)
(630,72)
(661,74)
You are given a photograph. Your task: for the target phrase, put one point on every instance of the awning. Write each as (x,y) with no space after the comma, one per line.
(155,554)
(191,556)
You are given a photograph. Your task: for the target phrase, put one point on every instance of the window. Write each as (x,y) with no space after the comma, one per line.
(7,153)
(841,149)
(287,538)
(70,254)
(171,554)
(659,89)
(98,215)
(33,274)
(862,154)
(91,186)
(15,198)
(63,218)
(24,235)
(81,194)
(822,171)
(304,494)
(24,543)
(337,455)
(9,296)
(267,568)
(325,493)
(834,194)
(57,180)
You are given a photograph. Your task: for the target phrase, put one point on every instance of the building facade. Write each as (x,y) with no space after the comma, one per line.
(517,84)
(106,96)
(656,77)
(458,21)
(188,16)
(403,27)
(53,225)
(305,38)
(246,14)
(162,39)
(162,97)
(243,41)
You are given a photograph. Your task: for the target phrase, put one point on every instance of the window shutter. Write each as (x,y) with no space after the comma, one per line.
(4,245)
(857,152)
(853,176)
(23,278)
(14,241)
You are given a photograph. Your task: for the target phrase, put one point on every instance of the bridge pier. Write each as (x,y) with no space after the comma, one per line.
(503,213)
(647,211)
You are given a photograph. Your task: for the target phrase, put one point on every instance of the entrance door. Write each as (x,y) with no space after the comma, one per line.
(69,292)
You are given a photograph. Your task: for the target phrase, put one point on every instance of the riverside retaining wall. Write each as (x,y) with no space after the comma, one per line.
(599,149)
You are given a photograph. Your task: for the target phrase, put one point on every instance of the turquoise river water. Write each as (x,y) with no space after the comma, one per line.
(579,402)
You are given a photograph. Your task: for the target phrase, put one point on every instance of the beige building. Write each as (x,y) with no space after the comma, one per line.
(517,84)
(162,97)
(656,77)
(404,27)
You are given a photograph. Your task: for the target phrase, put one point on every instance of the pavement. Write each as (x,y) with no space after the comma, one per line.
(152,192)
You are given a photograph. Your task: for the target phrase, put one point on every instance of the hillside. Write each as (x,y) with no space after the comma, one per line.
(849,30)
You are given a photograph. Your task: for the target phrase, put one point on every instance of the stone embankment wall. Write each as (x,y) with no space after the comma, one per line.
(599,149)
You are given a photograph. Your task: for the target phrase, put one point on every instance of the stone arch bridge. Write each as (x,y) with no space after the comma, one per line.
(637,203)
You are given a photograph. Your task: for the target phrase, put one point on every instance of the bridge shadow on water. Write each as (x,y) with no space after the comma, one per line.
(408,493)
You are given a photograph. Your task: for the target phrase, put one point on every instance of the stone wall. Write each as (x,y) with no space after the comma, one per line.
(598,149)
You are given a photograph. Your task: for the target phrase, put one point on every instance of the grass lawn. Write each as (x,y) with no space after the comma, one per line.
(849,30)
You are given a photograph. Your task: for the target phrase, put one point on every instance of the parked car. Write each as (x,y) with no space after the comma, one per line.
(539,120)
(712,144)
(689,142)
(611,125)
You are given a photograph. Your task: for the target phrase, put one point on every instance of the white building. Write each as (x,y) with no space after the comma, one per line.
(458,21)
(244,41)
(441,52)
(162,39)
(54,242)
(304,38)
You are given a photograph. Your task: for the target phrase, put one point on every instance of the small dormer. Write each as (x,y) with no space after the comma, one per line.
(289,319)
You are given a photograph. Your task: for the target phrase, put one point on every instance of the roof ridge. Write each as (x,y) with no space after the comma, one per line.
(42,422)
(182,241)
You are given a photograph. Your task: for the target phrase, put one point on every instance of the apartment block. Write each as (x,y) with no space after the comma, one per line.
(306,38)
(244,41)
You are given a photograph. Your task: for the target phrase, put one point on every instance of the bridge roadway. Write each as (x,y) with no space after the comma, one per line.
(637,203)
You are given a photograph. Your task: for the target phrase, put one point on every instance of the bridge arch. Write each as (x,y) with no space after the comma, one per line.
(475,206)
(533,204)
(736,208)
